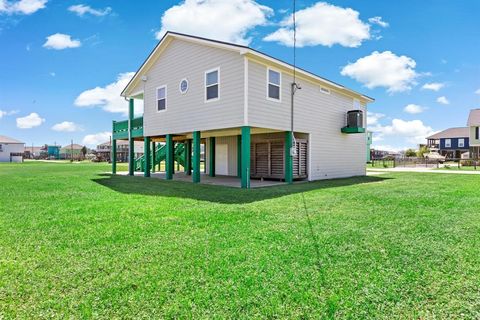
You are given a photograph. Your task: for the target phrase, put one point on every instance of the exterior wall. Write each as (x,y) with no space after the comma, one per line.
(231,141)
(189,112)
(8,148)
(473,142)
(454,144)
(332,154)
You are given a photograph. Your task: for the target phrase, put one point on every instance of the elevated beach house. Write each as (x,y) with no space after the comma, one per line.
(238,103)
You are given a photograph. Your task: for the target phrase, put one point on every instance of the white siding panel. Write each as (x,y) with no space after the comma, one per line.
(189,112)
(333,154)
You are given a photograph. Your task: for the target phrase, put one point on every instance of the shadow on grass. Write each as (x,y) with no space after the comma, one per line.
(219,194)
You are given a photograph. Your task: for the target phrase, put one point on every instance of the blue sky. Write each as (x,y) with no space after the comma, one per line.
(63,63)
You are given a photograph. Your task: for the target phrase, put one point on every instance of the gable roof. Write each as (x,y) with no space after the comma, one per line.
(474,118)
(69,147)
(170,35)
(5,139)
(462,132)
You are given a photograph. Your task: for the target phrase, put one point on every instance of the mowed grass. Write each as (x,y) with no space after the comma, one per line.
(77,243)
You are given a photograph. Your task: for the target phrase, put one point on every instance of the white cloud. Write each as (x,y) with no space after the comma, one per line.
(434,86)
(477,92)
(52,74)
(386,69)
(97,138)
(414,131)
(60,41)
(443,100)
(108,97)
(373,118)
(217,19)
(66,126)
(413,109)
(7,113)
(30,121)
(323,24)
(22,7)
(388,148)
(81,9)
(378,21)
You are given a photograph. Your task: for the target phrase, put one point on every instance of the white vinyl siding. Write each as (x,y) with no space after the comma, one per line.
(188,112)
(332,154)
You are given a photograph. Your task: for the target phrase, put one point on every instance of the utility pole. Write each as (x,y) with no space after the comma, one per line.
(71,149)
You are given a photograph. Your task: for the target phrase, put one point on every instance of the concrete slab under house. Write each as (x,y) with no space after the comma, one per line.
(235,104)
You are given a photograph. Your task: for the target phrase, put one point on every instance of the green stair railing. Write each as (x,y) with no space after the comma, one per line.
(160,155)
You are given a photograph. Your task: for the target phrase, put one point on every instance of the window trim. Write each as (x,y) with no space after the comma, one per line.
(449,145)
(279,86)
(157,99)
(205,85)
(463,142)
(180,86)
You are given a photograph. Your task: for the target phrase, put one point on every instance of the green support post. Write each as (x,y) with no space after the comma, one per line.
(239,156)
(288,157)
(146,157)
(211,156)
(131,142)
(154,156)
(113,158)
(169,157)
(196,157)
(245,183)
(188,157)
(173,158)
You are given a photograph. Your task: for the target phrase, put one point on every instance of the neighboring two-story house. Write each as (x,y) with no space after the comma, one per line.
(474,133)
(450,142)
(238,103)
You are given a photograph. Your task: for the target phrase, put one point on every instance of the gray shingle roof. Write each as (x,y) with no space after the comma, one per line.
(474,118)
(5,139)
(463,132)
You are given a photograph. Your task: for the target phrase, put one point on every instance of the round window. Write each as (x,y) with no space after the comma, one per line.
(184,86)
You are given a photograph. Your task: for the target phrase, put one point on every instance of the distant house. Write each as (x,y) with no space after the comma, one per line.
(32,152)
(104,150)
(71,151)
(451,142)
(11,150)
(474,133)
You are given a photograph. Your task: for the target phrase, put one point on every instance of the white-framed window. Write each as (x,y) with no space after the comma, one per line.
(274,85)
(448,143)
(162,98)
(212,85)
(461,143)
(183,86)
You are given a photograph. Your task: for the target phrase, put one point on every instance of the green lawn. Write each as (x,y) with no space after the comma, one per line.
(78,243)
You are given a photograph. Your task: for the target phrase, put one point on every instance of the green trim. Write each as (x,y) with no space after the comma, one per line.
(288,157)
(239,156)
(169,157)
(147,155)
(131,144)
(211,156)
(114,156)
(196,157)
(245,150)
(350,130)
(120,135)
(154,156)
(188,157)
